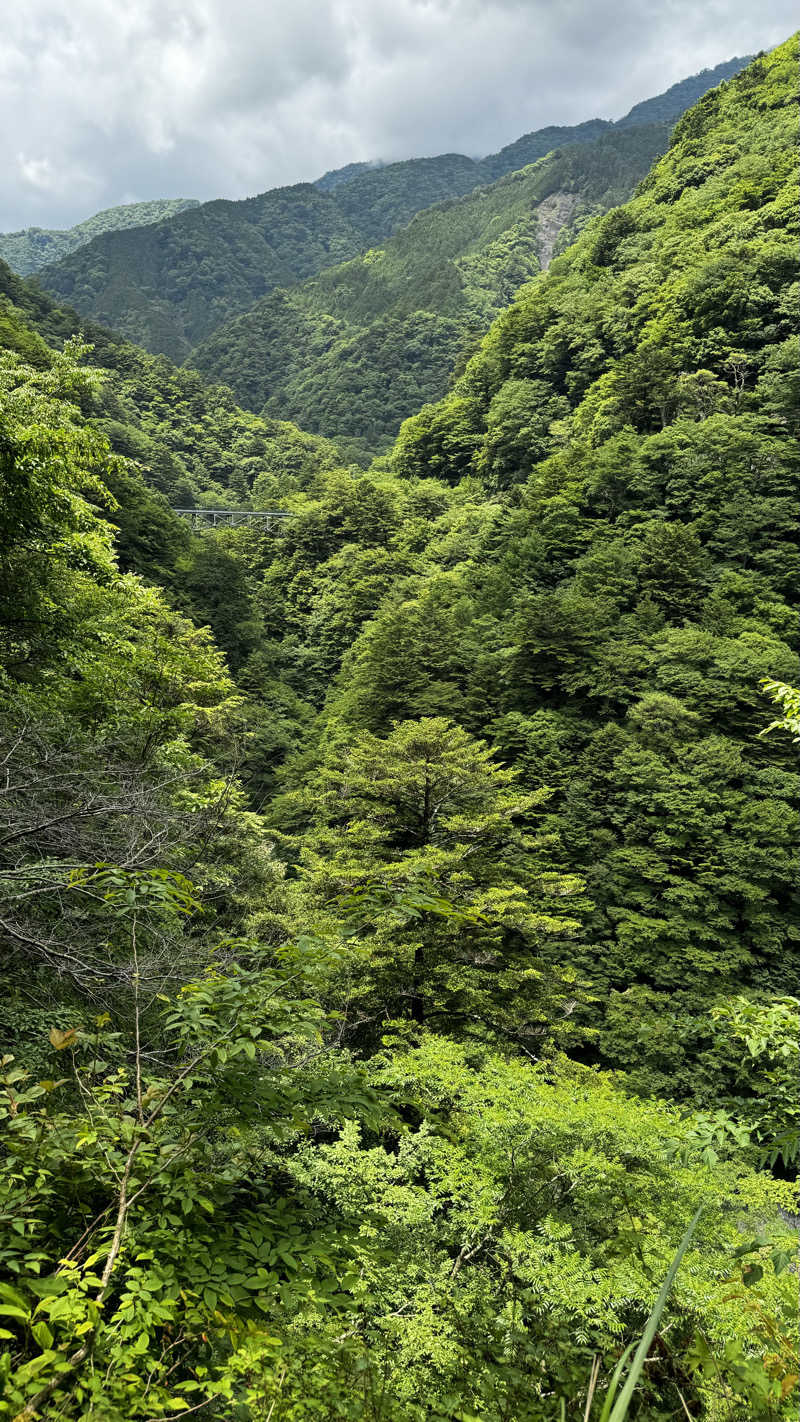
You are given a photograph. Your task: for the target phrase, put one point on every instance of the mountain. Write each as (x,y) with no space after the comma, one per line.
(383,199)
(176,441)
(390,1012)
(354,351)
(336,176)
(532,146)
(613,571)
(189,437)
(169,287)
(667,107)
(166,287)
(664,108)
(35,247)
(636,413)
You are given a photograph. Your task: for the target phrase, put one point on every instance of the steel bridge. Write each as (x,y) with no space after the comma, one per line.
(271,519)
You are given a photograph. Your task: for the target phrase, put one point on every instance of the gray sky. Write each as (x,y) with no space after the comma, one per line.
(109,101)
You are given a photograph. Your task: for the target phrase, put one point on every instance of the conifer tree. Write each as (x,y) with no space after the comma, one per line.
(431,844)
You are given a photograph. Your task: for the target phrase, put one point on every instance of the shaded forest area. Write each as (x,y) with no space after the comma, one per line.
(357,349)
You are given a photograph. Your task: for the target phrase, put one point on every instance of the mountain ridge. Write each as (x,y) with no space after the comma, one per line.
(445,929)
(661,107)
(31,248)
(357,348)
(169,288)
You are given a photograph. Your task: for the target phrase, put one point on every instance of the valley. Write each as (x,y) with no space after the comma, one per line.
(398,898)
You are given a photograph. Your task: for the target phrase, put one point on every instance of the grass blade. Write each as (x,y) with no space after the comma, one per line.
(621,1407)
(614,1384)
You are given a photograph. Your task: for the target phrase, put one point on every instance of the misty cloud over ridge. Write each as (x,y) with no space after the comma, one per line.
(103,104)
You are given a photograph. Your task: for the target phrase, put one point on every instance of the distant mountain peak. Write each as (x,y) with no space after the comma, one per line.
(336,176)
(170,285)
(681,96)
(662,108)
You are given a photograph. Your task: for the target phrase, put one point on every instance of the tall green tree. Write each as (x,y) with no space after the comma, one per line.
(432,846)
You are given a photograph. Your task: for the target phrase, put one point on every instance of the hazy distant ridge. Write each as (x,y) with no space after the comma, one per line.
(663,108)
(34,247)
(168,287)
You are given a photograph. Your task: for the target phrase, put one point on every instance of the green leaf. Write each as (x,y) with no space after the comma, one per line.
(6,1292)
(42,1334)
(11,1311)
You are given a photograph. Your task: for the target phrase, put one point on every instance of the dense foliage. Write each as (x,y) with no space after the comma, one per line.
(34,247)
(185,444)
(169,287)
(351,353)
(667,107)
(404,1029)
(336,176)
(190,439)
(609,629)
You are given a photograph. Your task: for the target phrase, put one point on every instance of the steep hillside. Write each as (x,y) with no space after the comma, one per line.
(356,350)
(169,288)
(532,146)
(643,402)
(617,571)
(383,199)
(664,108)
(336,176)
(448,170)
(34,247)
(667,107)
(192,441)
(184,443)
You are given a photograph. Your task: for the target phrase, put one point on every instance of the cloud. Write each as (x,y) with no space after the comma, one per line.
(102,103)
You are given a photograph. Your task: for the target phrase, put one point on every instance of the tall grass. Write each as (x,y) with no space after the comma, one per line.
(617,1411)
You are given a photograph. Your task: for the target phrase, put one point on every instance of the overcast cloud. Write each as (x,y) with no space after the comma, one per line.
(103,102)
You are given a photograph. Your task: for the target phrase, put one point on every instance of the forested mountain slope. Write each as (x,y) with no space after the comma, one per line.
(616,573)
(664,108)
(643,400)
(192,441)
(667,107)
(34,247)
(185,443)
(301,1108)
(336,176)
(358,348)
(170,288)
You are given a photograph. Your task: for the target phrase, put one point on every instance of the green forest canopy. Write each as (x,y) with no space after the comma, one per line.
(34,247)
(379,1020)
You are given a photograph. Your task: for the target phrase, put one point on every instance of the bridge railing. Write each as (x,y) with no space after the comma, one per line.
(233,518)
